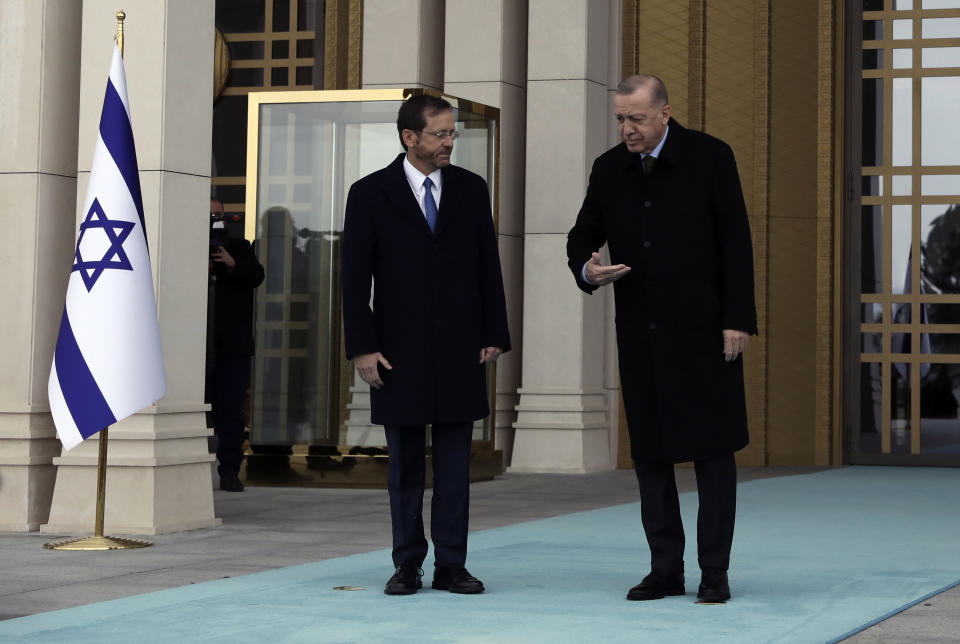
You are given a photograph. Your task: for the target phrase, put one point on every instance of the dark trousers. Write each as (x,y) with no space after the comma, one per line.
(230,379)
(406,478)
(660,511)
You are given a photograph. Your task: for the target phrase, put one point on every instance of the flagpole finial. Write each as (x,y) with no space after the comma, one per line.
(120,18)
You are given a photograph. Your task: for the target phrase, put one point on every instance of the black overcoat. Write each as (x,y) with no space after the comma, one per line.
(233,300)
(437,297)
(683,231)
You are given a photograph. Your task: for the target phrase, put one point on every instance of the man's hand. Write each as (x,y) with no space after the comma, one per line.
(599,274)
(366,365)
(490,354)
(221,255)
(734,342)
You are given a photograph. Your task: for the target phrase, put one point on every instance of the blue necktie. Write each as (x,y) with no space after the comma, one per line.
(429,205)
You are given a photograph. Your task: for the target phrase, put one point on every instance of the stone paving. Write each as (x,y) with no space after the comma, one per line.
(272,527)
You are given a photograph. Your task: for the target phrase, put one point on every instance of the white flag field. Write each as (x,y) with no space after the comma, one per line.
(108,362)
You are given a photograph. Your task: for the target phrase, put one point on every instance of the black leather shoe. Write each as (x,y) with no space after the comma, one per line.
(656,586)
(231,484)
(714,587)
(456,579)
(405,581)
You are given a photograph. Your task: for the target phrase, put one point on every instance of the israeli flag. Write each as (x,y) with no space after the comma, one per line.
(108,362)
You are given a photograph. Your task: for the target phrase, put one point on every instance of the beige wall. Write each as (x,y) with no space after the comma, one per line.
(39,74)
(566,417)
(403,43)
(485,60)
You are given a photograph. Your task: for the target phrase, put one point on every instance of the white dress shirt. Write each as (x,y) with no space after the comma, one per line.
(415,178)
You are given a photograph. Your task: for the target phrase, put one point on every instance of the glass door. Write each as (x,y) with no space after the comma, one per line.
(903,246)
(310,414)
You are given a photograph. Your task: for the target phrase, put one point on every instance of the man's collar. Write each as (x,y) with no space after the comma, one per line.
(671,148)
(668,149)
(655,153)
(415,177)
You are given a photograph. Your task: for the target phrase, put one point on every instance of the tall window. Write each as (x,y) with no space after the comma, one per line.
(908,229)
(272,45)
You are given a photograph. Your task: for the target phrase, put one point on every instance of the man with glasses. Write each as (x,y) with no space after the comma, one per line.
(421,231)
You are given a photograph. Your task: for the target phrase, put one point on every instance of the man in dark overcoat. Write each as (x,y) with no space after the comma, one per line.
(422,231)
(667,202)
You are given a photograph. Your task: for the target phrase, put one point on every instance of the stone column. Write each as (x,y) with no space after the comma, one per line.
(159,477)
(563,422)
(39,74)
(485,60)
(403,43)
(358,429)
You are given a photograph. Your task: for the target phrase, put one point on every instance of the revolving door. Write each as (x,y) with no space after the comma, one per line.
(309,415)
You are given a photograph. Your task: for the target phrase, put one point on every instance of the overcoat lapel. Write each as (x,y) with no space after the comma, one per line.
(672,151)
(398,191)
(450,197)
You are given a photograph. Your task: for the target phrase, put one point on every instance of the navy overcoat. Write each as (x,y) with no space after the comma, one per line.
(683,231)
(437,297)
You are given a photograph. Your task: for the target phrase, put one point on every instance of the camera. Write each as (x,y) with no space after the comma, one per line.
(219,235)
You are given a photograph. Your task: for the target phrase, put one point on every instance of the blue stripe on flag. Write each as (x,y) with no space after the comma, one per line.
(80,391)
(117,135)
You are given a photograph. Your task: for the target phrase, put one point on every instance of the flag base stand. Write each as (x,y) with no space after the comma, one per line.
(98,543)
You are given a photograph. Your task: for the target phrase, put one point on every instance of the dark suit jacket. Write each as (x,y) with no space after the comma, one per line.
(684,232)
(437,297)
(233,301)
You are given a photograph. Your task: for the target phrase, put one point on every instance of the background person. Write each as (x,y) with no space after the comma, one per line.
(234,273)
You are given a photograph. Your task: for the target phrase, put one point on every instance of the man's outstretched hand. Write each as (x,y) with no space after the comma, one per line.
(599,274)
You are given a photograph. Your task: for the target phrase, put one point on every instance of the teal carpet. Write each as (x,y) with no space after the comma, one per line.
(816,558)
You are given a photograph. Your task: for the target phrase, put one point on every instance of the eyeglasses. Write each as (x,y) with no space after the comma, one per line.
(442,134)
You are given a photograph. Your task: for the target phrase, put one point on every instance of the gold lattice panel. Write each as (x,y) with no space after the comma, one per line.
(731,82)
(736,111)
(827,428)
(662,45)
(759,75)
(288,53)
(791,362)
(792,260)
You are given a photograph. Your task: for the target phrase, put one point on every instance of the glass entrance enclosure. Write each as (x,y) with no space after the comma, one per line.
(904,239)
(309,415)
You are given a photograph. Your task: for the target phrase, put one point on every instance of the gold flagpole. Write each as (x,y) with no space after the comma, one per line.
(120,17)
(98,541)
(101,483)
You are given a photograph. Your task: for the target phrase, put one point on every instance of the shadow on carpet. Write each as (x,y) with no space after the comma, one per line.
(816,557)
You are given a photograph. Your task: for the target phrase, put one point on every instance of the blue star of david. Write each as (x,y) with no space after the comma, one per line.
(116,231)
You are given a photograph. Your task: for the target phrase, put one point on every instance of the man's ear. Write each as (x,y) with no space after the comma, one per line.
(409,137)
